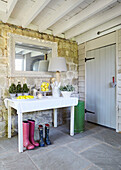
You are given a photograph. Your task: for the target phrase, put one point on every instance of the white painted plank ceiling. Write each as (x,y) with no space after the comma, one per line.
(70,17)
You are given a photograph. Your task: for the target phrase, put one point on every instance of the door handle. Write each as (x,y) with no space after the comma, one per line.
(113,83)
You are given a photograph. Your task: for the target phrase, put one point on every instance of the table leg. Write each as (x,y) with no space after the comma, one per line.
(20,132)
(55,117)
(9,121)
(72,121)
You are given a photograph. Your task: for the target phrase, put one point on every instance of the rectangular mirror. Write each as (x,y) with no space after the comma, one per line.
(29,57)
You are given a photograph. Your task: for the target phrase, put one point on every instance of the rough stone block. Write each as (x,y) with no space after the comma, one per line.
(69,60)
(2,126)
(4,33)
(45,37)
(5,53)
(3,82)
(51,38)
(67,53)
(3,70)
(1,51)
(40,117)
(76,61)
(1,41)
(73,67)
(0,31)
(1,117)
(3,60)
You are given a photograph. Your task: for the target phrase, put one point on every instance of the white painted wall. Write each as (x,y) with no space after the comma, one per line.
(95,43)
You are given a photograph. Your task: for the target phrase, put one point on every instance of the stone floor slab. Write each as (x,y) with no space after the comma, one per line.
(104,156)
(2,166)
(65,129)
(23,163)
(8,144)
(109,136)
(59,138)
(83,144)
(94,168)
(60,159)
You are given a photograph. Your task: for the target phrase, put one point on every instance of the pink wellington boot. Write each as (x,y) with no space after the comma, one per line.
(31,132)
(26,142)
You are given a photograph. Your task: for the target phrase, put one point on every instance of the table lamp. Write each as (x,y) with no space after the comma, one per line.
(57,64)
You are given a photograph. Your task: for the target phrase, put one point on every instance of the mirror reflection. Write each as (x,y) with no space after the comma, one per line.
(32,57)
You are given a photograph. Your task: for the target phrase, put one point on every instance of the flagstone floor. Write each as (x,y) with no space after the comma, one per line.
(96,148)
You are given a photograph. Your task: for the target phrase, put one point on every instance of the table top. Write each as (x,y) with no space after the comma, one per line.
(49,102)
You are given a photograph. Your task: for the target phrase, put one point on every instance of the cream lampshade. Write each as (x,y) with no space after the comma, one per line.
(57,64)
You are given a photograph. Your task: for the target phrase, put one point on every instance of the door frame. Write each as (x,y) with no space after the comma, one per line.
(103,41)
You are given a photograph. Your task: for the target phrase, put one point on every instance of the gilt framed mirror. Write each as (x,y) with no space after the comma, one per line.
(29,57)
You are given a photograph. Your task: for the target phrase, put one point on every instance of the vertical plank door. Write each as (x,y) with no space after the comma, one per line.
(100,96)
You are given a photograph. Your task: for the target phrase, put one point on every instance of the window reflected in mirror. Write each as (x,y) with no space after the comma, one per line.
(32,57)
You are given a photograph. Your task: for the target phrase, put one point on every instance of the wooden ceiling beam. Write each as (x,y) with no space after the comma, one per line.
(92,34)
(91,10)
(59,13)
(94,22)
(10,6)
(34,11)
(3,6)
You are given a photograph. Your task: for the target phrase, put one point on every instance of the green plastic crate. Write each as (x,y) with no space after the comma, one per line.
(79,114)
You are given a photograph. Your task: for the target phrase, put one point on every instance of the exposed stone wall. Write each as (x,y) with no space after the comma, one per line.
(66,48)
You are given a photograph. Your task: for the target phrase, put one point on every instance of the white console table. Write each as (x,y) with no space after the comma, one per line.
(31,105)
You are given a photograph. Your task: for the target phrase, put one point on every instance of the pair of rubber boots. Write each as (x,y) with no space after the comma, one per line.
(47,140)
(28,134)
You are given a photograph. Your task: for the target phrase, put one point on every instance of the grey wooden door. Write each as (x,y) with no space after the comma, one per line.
(100,96)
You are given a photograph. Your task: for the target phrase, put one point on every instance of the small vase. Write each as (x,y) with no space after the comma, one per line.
(13,95)
(19,94)
(25,94)
(66,94)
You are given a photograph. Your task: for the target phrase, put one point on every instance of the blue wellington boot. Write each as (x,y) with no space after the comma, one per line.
(47,140)
(41,143)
